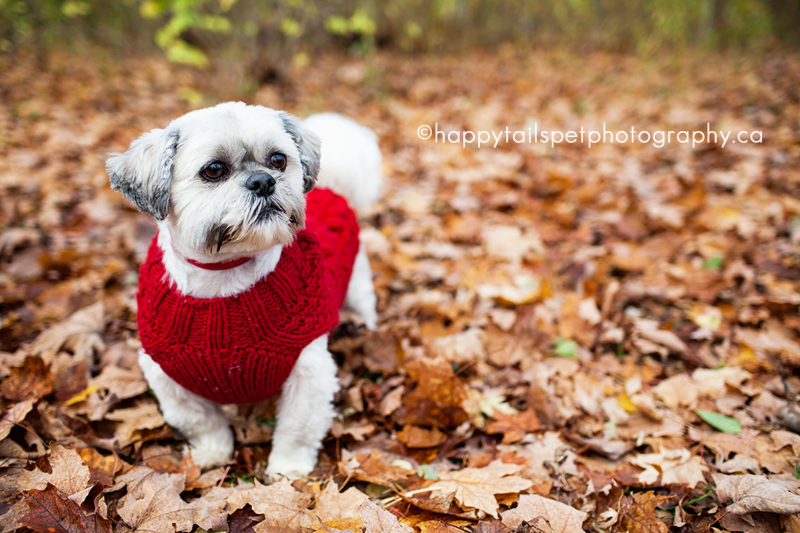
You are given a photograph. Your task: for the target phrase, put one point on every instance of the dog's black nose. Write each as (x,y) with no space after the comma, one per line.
(261,184)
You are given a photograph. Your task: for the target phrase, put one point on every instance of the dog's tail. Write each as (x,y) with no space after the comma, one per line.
(351,159)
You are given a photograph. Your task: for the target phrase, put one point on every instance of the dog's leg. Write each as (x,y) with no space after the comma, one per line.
(361,292)
(201,421)
(305,412)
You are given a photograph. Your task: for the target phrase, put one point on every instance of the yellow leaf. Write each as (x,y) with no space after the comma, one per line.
(82,395)
(625,402)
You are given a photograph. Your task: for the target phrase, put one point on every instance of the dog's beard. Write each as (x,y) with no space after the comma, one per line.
(265,223)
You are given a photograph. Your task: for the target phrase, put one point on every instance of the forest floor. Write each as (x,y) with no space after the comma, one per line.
(570,338)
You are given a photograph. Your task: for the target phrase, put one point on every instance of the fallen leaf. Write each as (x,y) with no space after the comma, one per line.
(243,520)
(50,513)
(476,487)
(514,427)
(417,437)
(135,419)
(281,505)
(638,514)
(153,504)
(376,520)
(676,466)
(15,416)
(723,423)
(122,382)
(749,494)
(80,333)
(373,466)
(439,395)
(557,516)
(30,381)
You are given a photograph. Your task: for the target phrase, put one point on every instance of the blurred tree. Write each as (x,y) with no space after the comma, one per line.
(271,35)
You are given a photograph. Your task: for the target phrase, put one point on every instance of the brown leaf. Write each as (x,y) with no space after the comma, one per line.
(558,516)
(80,333)
(476,487)
(334,505)
(372,466)
(638,515)
(749,494)
(243,520)
(68,474)
(514,427)
(417,437)
(280,503)
(135,419)
(439,395)
(376,520)
(30,381)
(50,513)
(103,468)
(154,505)
(676,466)
(122,382)
(14,416)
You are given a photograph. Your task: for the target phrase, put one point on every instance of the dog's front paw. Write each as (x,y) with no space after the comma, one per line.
(293,465)
(211,450)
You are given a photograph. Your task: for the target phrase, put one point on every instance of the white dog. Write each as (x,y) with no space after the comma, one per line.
(244,280)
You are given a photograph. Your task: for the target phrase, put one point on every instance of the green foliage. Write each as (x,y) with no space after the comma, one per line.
(566,348)
(185,15)
(191,31)
(720,422)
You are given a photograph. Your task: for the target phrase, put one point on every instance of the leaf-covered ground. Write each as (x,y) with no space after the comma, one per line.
(600,339)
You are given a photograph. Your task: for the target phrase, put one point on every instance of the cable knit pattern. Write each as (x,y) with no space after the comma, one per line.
(241,349)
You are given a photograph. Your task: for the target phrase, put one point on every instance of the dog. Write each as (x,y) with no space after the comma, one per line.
(256,250)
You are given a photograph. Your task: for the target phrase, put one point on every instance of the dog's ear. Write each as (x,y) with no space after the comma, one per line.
(143,174)
(308,144)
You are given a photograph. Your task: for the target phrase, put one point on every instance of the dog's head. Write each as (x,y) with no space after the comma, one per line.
(227,179)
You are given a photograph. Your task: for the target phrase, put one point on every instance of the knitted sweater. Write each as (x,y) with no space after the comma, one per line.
(241,349)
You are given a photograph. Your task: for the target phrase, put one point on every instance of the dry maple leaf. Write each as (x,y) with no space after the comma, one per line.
(32,380)
(243,520)
(154,504)
(558,516)
(80,333)
(439,396)
(69,475)
(513,427)
(280,503)
(50,513)
(476,487)
(417,437)
(376,520)
(750,494)
(676,466)
(133,420)
(373,466)
(122,382)
(638,514)
(14,416)
(333,508)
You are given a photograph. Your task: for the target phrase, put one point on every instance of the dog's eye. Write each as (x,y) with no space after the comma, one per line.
(215,170)
(278,161)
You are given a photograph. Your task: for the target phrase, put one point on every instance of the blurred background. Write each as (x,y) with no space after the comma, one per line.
(264,38)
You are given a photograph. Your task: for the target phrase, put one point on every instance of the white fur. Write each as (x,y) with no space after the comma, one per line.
(351,159)
(246,135)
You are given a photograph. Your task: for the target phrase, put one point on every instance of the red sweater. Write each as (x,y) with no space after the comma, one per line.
(242,348)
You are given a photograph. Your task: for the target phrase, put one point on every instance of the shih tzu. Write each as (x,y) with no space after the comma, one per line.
(256,251)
